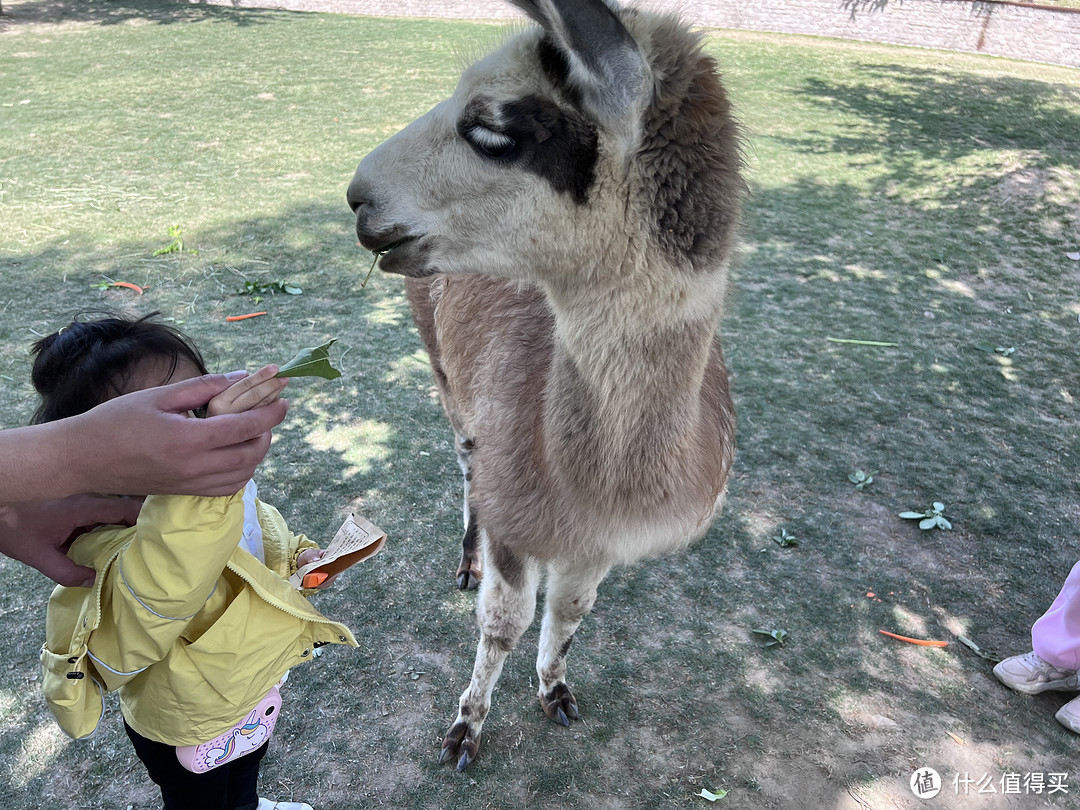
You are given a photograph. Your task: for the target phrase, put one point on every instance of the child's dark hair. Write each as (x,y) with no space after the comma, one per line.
(90,361)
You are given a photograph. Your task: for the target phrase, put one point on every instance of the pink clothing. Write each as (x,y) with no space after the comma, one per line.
(1055,637)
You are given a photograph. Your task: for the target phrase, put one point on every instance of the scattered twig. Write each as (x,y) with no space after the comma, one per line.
(862,342)
(975,648)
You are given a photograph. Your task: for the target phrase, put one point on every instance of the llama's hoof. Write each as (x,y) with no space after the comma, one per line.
(460,743)
(559,705)
(468,577)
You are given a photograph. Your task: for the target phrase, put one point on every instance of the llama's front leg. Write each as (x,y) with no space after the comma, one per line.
(469,571)
(571,593)
(504,609)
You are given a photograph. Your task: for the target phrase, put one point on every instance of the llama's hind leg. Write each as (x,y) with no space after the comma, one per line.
(504,610)
(571,593)
(469,570)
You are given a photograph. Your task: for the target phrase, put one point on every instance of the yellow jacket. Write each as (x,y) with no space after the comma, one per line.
(191,629)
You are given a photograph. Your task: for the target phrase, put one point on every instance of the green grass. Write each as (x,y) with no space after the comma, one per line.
(909,196)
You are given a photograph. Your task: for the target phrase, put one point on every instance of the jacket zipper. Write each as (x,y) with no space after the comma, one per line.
(273,601)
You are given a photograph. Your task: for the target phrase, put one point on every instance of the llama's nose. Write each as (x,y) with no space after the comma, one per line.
(374,229)
(360,201)
(357,193)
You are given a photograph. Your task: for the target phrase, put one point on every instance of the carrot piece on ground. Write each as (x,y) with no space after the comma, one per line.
(127,284)
(920,641)
(244,317)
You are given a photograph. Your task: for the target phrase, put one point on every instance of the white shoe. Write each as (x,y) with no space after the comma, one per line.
(1069,715)
(267,804)
(1030,674)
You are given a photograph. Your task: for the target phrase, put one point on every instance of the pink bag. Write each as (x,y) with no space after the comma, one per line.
(248,735)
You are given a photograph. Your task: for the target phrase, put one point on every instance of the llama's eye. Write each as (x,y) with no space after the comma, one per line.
(488,142)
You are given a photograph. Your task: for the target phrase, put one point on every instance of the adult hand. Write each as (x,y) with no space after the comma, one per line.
(141,443)
(37,533)
(144,443)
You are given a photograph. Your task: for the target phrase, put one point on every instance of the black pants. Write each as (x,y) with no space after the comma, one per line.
(231,786)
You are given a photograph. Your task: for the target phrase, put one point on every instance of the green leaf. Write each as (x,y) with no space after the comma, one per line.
(928,523)
(273,287)
(861,479)
(943,523)
(939,506)
(313,362)
(784,539)
(913,515)
(177,244)
(711,796)
(989,348)
(777,636)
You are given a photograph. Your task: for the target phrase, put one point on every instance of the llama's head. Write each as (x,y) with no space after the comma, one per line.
(597,142)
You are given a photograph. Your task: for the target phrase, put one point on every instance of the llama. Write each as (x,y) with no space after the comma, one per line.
(565,222)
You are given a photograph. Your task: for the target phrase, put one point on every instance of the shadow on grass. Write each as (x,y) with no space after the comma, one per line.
(909,114)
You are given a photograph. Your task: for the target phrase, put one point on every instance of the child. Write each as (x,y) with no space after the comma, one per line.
(190,617)
(1054,662)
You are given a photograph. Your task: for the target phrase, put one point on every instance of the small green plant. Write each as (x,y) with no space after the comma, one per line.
(176,234)
(261,288)
(777,637)
(861,479)
(785,540)
(931,518)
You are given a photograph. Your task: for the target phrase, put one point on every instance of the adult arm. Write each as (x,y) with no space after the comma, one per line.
(140,444)
(37,532)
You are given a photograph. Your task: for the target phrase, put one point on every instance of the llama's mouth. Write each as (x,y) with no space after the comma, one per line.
(405,257)
(391,247)
(379,244)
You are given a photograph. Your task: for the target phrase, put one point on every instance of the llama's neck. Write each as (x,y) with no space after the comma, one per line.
(628,342)
(627,373)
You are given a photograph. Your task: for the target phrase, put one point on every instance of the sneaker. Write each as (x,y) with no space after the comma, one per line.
(267,804)
(1030,674)
(1069,715)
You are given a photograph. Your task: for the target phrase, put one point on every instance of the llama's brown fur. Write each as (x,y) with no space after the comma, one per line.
(571,319)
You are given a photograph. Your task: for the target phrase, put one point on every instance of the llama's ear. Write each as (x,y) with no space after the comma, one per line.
(606,65)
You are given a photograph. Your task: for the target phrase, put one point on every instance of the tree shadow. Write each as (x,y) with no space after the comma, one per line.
(856,7)
(905,115)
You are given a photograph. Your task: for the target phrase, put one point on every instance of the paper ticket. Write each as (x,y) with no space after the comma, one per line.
(357,540)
